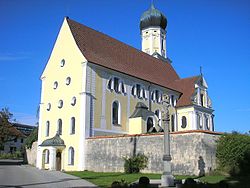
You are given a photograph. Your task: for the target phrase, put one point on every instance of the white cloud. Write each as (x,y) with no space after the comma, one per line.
(14,56)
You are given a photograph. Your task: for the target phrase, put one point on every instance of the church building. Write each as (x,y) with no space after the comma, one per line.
(94,85)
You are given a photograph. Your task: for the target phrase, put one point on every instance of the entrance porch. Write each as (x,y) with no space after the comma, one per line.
(51,153)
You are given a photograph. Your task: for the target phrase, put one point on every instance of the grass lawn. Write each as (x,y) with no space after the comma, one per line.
(105,179)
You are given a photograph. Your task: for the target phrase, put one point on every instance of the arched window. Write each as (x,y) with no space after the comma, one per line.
(46,156)
(71,156)
(116,113)
(72,125)
(183,122)
(172,123)
(206,123)
(47,128)
(59,126)
(117,85)
(150,123)
(139,91)
(156,96)
(199,121)
(202,100)
(110,84)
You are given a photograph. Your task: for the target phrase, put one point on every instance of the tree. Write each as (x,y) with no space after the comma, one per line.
(31,138)
(233,153)
(7,131)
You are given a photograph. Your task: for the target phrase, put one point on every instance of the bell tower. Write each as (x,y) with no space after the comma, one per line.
(152,26)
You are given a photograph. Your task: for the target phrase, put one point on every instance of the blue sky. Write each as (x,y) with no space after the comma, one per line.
(214,34)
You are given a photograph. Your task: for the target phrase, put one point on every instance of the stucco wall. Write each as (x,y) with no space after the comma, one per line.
(31,154)
(192,152)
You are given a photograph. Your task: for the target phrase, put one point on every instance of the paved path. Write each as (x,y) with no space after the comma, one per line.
(18,176)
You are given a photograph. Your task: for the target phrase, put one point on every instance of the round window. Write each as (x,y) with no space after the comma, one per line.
(73,101)
(55,84)
(68,80)
(62,63)
(48,107)
(183,122)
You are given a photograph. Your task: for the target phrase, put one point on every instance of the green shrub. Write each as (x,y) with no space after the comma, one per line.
(16,155)
(233,153)
(135,163)
(119,184)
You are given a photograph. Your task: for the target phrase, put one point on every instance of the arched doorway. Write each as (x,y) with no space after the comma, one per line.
(58,160)
(43,159)
(150,123)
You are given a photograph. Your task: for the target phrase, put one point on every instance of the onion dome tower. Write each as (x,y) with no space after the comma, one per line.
(152,25)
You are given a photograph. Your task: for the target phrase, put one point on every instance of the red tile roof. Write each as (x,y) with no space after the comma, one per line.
(187,87)
(108,52)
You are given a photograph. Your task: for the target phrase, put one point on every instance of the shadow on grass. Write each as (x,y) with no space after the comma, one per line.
(227,182)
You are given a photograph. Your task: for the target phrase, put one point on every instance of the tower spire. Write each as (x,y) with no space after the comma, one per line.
(152,25)
(201,71)
(152,3)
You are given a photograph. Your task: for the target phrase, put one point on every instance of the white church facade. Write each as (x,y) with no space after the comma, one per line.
(95,85)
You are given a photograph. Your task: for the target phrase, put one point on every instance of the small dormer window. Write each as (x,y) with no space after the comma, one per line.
(156,96)
(115,84)
(172,100)
(139,91)
(62,63)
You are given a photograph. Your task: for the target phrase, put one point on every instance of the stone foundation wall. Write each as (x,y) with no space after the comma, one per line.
(193,152)
(31,154)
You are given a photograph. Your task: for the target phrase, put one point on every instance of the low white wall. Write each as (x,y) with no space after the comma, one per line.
(31,154)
